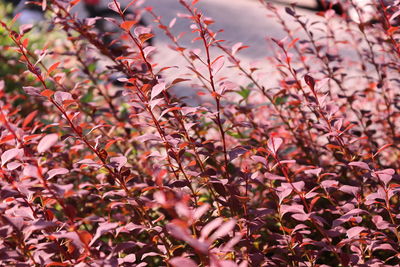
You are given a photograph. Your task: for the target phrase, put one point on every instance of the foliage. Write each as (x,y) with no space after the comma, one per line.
(299,169)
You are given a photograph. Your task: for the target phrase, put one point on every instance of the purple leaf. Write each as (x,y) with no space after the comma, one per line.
(260,159)
(102,229)
(119,161)
(236,152)
(283,194)
(309,81)
(147,137)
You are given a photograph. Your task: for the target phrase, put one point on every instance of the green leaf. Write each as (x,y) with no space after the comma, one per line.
(88,97)
(245,93)
(92,67)
(280,100)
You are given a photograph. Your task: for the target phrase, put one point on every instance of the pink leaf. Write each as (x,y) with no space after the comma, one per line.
(217,65)
(200,211)
(114,7)
(384,246)
(360,164)
(349,189)
(235,48)
(223,230)
(55,172)
(384,175)
(141,30)
(31,171)
(60,97)
(329,183)
(355,231)
(210,227)
(283,194)
(157,89)
(10,154)
(47,142)
(102,229)
(313,171)
(181,261)
(180,233)
(274,143)
(13,165)
(301,217)
(294,208)
(148,50)
(172,23)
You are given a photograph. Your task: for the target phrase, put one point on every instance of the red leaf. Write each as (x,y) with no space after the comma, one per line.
(392,30)
(127,25)
(292,43)
(47,93)
(179,80)
(145,36)
(74,2)
(56,264)
(382,148)
(6,138)
(85,237)
(309,81)
(29,118)
(53,67)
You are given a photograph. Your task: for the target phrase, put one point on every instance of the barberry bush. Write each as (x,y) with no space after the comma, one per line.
(103,165)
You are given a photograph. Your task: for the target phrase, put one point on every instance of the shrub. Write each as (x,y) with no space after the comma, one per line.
(295,170)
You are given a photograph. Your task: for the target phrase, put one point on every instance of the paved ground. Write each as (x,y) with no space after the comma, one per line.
(242,20)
